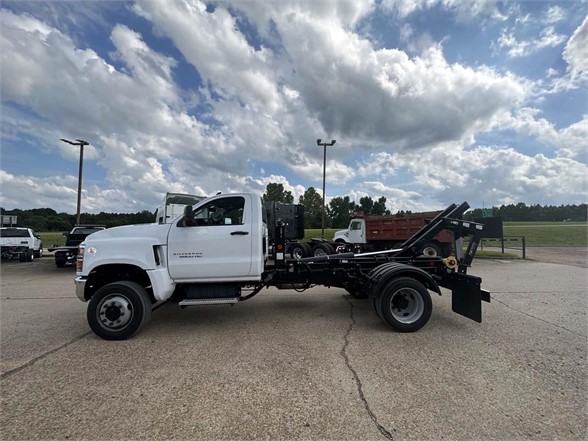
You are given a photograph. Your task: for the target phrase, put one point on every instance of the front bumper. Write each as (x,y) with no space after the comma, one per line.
(80,287)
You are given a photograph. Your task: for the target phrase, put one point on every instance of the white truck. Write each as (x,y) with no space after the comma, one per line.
(173,205)
(20,243)
(217,253)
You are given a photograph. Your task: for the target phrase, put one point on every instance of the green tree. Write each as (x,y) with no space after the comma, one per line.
(340,211)
(313,206)
(366,204)
(275,192)
(379,207)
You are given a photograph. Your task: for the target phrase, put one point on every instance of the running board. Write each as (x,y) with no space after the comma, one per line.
(192,302)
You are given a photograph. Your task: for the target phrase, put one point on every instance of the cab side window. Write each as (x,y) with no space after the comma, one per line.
(224,211)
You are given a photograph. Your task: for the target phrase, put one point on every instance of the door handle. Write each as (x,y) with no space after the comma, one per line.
(239,233)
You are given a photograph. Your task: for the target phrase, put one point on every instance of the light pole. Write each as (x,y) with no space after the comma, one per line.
(81,143)
(324,145)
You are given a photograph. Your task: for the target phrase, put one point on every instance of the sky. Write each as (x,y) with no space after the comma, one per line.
(430,102)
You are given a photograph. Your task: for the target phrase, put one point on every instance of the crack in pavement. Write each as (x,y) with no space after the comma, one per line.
(358,382)
(42,356)
(537,318)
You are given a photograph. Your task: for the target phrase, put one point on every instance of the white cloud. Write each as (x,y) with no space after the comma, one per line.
(575,53)
(493,174)
(463,9)
(554,14)
(522,48)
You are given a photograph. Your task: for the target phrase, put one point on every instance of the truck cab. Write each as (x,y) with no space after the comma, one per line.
(221,240)
(354,234)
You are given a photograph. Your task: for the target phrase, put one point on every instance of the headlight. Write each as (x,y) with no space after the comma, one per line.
(80,258)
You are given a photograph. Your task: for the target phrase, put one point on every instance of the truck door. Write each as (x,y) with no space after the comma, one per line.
(217,246)
(357,231)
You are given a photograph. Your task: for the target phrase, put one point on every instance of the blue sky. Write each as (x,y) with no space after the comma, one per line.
(430,101)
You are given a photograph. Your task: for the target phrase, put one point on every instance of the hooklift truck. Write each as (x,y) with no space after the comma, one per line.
(217,253)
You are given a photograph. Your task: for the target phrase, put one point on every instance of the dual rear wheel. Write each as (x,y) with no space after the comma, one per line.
(404,304)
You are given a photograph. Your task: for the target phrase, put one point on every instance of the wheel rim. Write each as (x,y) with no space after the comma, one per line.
(297,253)
(114,312)
(430,251)
(407,305)
(319,252)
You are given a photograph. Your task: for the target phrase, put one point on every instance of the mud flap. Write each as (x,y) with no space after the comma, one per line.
(467,297)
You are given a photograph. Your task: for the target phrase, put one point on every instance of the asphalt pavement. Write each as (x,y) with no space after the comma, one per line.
(287,365)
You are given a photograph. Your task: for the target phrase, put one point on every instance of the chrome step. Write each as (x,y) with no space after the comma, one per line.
(192,302)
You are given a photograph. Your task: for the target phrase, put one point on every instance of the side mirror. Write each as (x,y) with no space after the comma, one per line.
(188,219)
(65,234)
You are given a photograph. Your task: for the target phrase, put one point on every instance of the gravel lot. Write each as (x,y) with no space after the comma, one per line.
(285,365)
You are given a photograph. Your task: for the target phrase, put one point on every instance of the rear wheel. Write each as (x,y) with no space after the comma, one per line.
(404,304)
(297,251)
(30,255)
(431,250)
(322,249)
(307,249)
(118,310)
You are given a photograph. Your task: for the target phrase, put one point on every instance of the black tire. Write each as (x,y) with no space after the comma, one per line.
(322,249)
(22,257)
(307,249)
(374,303)
(404,304)
(108,309)
(39,252)
(59,263)
(297,251)
(431,250)
(30,255)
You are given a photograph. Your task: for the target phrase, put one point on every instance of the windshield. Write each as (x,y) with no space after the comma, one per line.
(13,232)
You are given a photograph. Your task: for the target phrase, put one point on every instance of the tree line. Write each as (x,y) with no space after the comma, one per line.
(530,213)
(338,212)
(47,219)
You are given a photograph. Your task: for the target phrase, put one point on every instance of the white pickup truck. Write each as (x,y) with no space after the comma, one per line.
(20,243)
(218,250)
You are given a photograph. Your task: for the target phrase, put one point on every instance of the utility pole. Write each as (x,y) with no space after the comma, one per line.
(324,145)
(81,143)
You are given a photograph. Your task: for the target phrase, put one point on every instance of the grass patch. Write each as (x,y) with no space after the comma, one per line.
(52,237)
(495,254)
(315,233)
(545,234)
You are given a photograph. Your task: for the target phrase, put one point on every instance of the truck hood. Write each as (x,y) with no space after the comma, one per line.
(342,235)
(155,234)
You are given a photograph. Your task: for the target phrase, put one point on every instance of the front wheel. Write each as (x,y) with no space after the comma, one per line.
(404,304)
(39,252)
(118,310)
